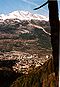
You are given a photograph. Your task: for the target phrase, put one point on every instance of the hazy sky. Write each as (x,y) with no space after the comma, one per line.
(7,6)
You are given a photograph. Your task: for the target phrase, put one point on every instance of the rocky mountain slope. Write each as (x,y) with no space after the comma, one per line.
(19,26)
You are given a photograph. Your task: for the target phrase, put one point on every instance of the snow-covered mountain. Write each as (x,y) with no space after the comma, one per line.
(22,15)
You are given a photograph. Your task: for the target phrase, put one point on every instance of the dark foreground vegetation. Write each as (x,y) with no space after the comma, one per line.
(42,76)
(7,75)
(38,77)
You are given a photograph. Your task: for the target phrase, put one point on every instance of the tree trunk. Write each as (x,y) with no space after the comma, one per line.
(54,24)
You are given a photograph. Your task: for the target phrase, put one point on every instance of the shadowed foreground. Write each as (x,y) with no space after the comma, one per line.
(7,75)
(43,76)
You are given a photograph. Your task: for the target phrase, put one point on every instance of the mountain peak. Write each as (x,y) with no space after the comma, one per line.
(23,15)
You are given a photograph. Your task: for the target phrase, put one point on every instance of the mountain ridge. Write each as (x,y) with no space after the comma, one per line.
(22,15)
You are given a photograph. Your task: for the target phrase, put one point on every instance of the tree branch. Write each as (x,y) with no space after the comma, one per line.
(41,6)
